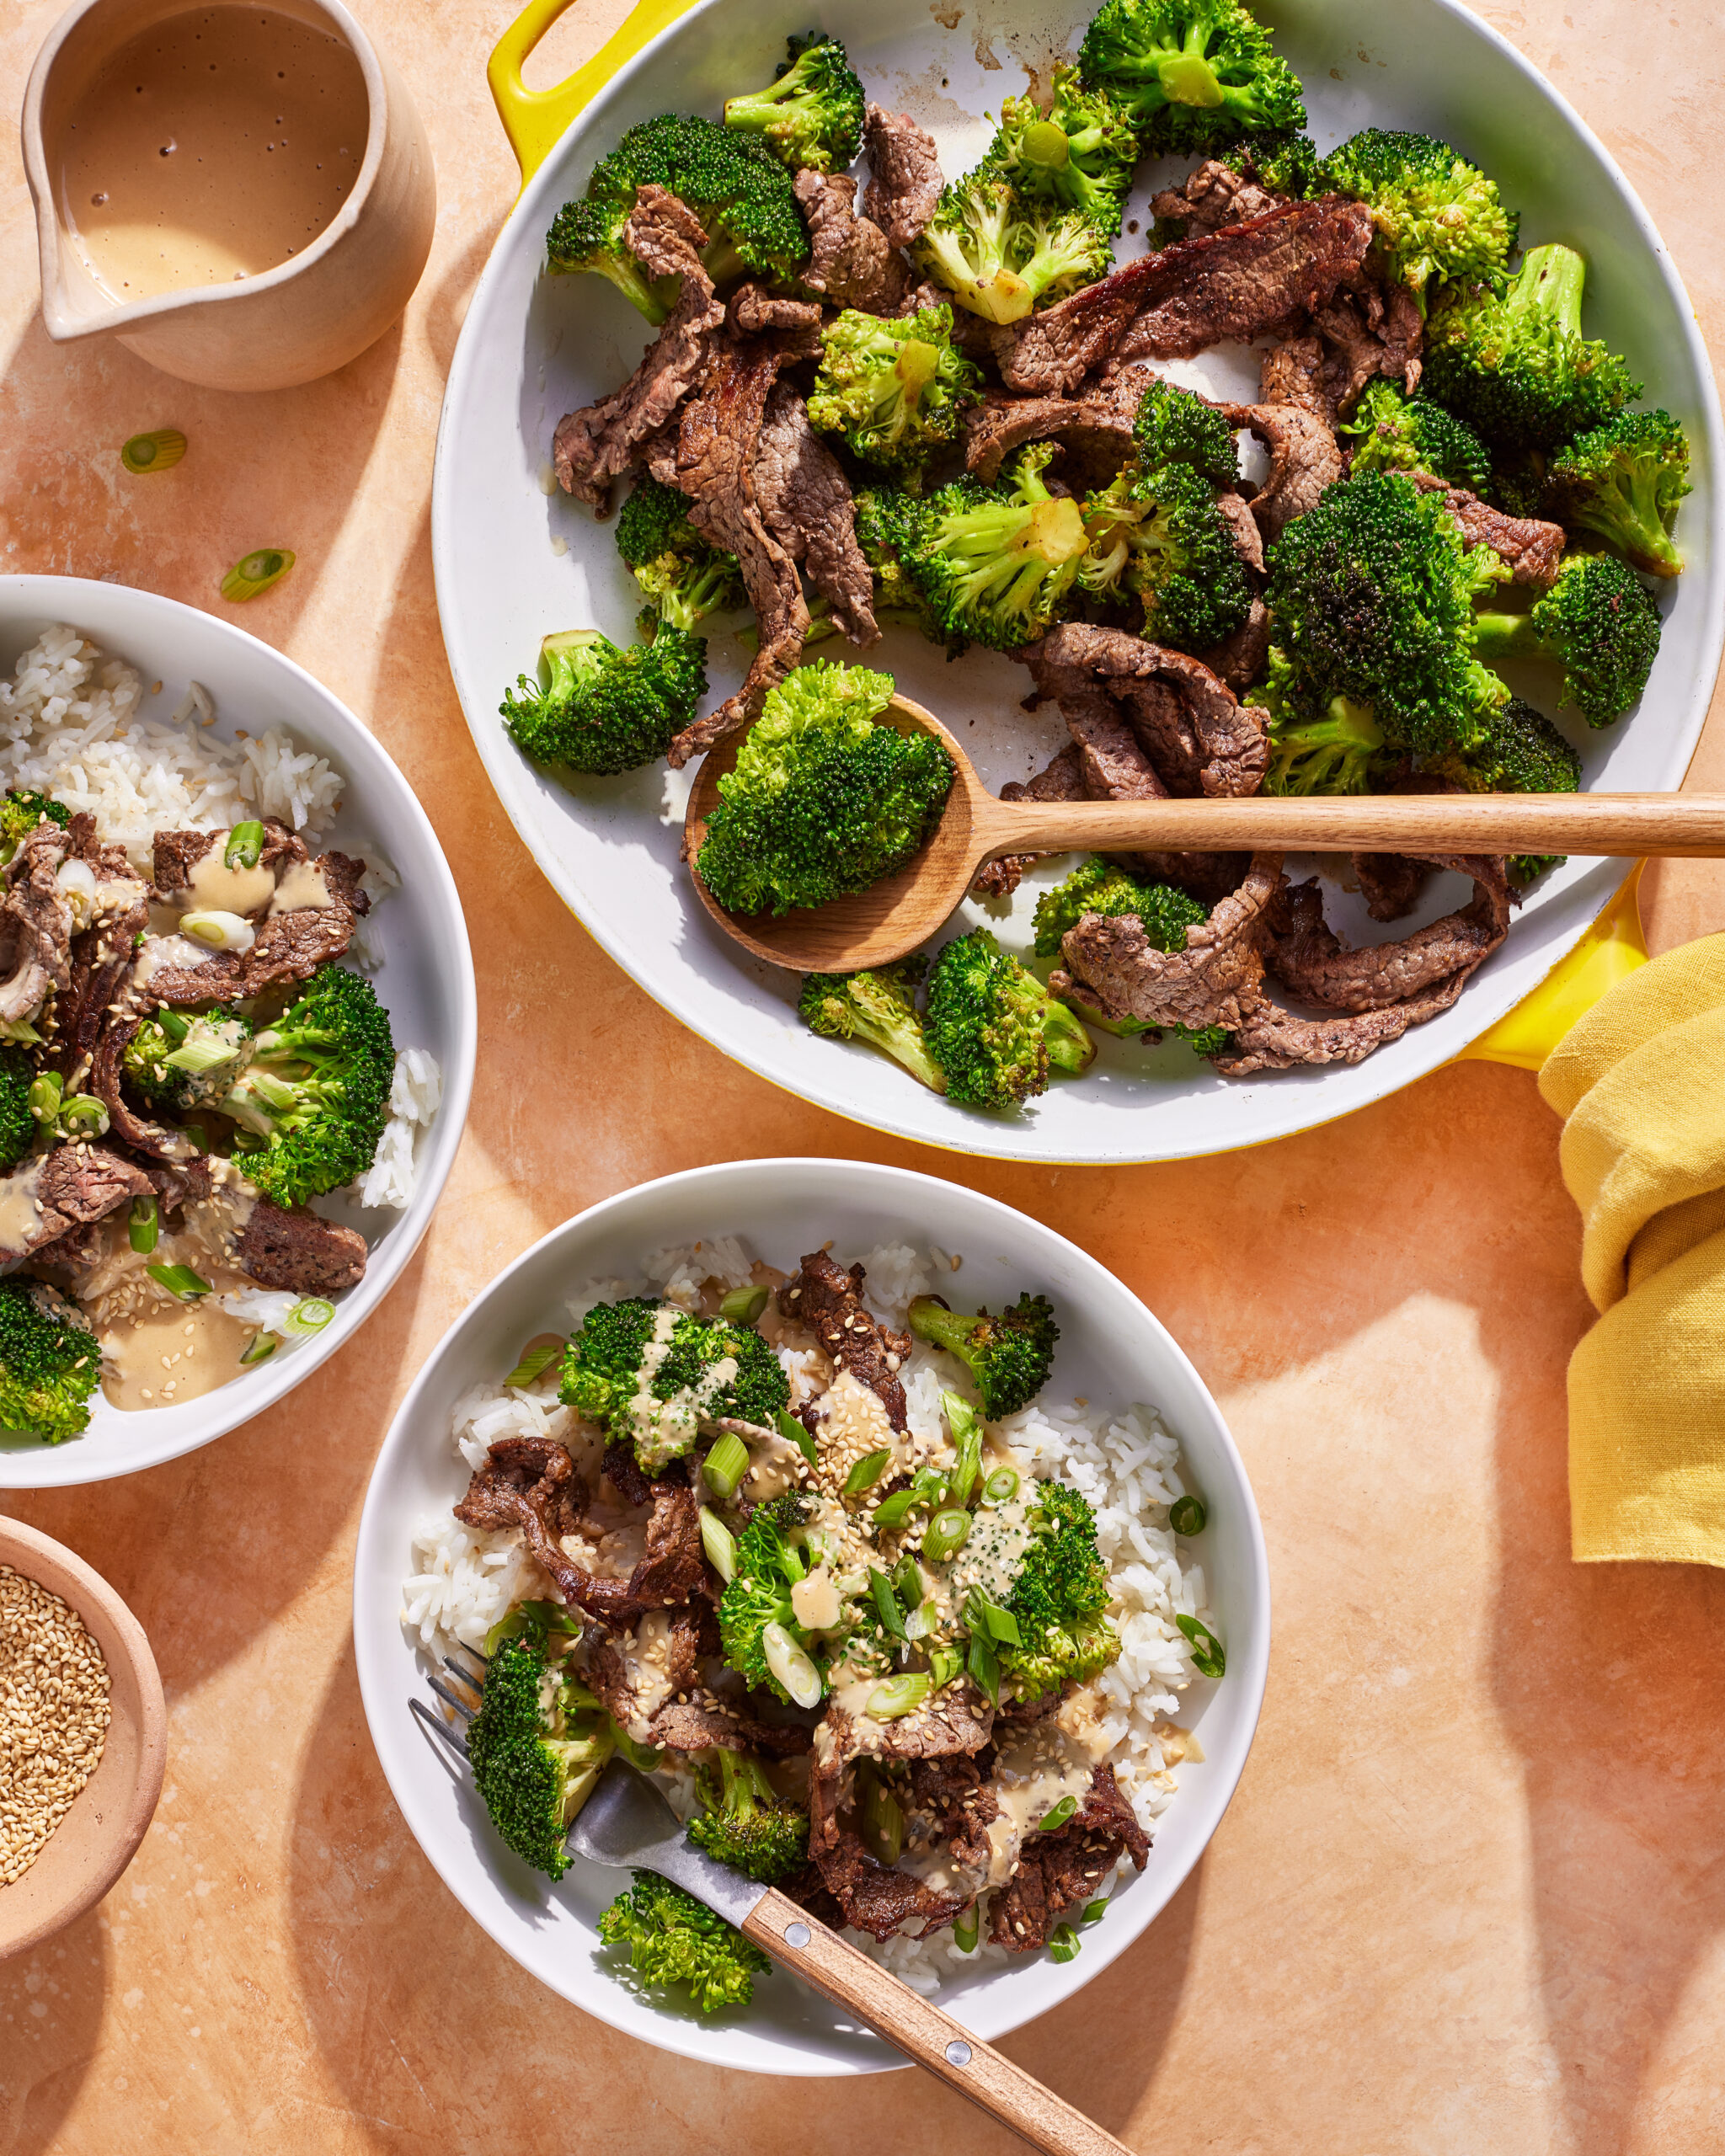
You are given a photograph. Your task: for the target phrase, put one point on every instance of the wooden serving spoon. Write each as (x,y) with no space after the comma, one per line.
(895,916)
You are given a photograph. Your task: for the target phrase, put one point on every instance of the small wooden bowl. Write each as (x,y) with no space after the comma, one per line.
(99,1835)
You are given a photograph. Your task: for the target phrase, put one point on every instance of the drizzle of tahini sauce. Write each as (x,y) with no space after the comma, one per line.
(20,1209)
(168,954)
(215,888)
(301,887)
(664,1428)
(165,1355)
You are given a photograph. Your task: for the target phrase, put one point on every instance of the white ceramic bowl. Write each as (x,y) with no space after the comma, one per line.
(425,981)
(1112,1349)
(533,347)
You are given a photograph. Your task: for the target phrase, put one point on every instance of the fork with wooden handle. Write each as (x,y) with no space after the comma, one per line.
(627,1823)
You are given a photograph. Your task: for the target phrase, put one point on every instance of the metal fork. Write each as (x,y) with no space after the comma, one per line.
(627,1822)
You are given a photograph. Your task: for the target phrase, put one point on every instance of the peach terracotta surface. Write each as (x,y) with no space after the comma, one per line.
(1471,1896)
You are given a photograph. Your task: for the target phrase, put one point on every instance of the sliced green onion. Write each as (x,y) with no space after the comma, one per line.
(83,1116)
(310,1315)
(245,846)
(794,1670)
(984,1665)
(966,1927)
(726,1465)
(906,1577)
(1001,1486)
(156,452)
(178,1279)
(263,1345)
(882,1821)
(867,1472)
(922,1620)
(967,1435)
(198,1052)
(535,1362)
(944,1664)
(1057,1814)
(219,929)
(886,1602)
(719,1543)
(944,1535)
(791,1558)
(1063,1943)
(642,1757)
(992,1620)
(255,573)
(1093,1912)
(743,1305)
(892,1511)
(1207,1655)
(1186,1516)
(899,1695)
(174,1024)
(141,1228)
(45,1095)
(793,1434)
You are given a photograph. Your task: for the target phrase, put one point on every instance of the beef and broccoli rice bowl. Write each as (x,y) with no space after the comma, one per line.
(896,1630)
(192,1059)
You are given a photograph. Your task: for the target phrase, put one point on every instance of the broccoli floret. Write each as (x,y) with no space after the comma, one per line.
(534,1760)
(878,1006)
(1519,751)
(312,1102)
(17,1121)
(1286,163)
(994,1029)
(810,115)
(763,1569)
(1177,426)
(1079,155)
(739,191)
(746,1824)
(20,813)
(996,565)
(1158,537)
(182,1060)
(674,1939)
(1194,75)
(603,710)
(1098,887)
(895,390)
(1340,751)
(1517,368)
(1433,215)
(1391,433)
(684,575)
(1597,623)
(1622,483)
(610,1362)
(1000,256)
(1371,594)
(1009,1357)
(887,522)
(822,801)
(1057,1599)
(49,1363)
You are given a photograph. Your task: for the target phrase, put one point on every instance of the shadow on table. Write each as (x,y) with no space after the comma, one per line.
(51,2004)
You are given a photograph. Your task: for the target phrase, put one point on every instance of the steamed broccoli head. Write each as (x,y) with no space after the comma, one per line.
(1000,255)
(1098,887)
(739,191)
(994,1029)
(895,390)
(1058,1597)
(1078,155)
(184,1059)
(878,1006)
(312,1103)
(810,115)
(1338,750)
(995,565)
(51,1361)
(1193,75)
(1389,432)
(1434,215)
(649,1373)
(746,1824)
(684,576)
(1177,426)
(535,1752)
(1621,483)
(1008,1357)
(1158,538)
(765,1566)
(602,709)
(1597,623)
(1286,162)
(1520,751)
(19,815)
(672,1939)
(822,801)
(1518,369)
(17,1121)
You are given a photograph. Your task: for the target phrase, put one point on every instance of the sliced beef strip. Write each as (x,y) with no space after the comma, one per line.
(957,1719)
(704,1721)
(851,263)
(874,1897)
(35,923)
(301,1252)
(597,444)
(176,854)
(609,1674)
(290,946)
(903,168)
(1095,428)
(74,1185)
(102,962)
(1532,547)
(959,1799)
(180,1183)
(1199,737)
(827,1300)
(1062,779)
(1292,373)
(1303,953)
(1241,660)
(1213,982)
(160,1141)
(755,311)
(1235,512)
(1364,338)
(1304,459)
(1057,1871)
(806,503)
(1390,883)
(78,1247)
(1271,1038)
(622,1471)
(1213,198)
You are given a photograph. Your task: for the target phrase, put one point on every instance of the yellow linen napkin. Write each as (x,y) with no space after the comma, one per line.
(1640,1081)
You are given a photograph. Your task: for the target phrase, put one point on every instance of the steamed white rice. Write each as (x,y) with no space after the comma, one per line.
(1125,1462)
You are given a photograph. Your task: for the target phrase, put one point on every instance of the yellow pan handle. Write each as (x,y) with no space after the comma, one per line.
(534,120)
(1610,952)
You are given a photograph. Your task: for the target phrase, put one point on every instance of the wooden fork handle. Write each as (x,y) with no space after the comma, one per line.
(918,2028)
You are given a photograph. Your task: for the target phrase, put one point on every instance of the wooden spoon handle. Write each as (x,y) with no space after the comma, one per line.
(921,2032)
(1624,824)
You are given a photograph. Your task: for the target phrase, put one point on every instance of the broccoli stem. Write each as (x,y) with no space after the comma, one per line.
(1549,282)
(1507,636)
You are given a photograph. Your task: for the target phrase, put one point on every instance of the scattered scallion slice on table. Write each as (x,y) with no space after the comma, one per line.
(256,572)
(1208,1655)
(159,451)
